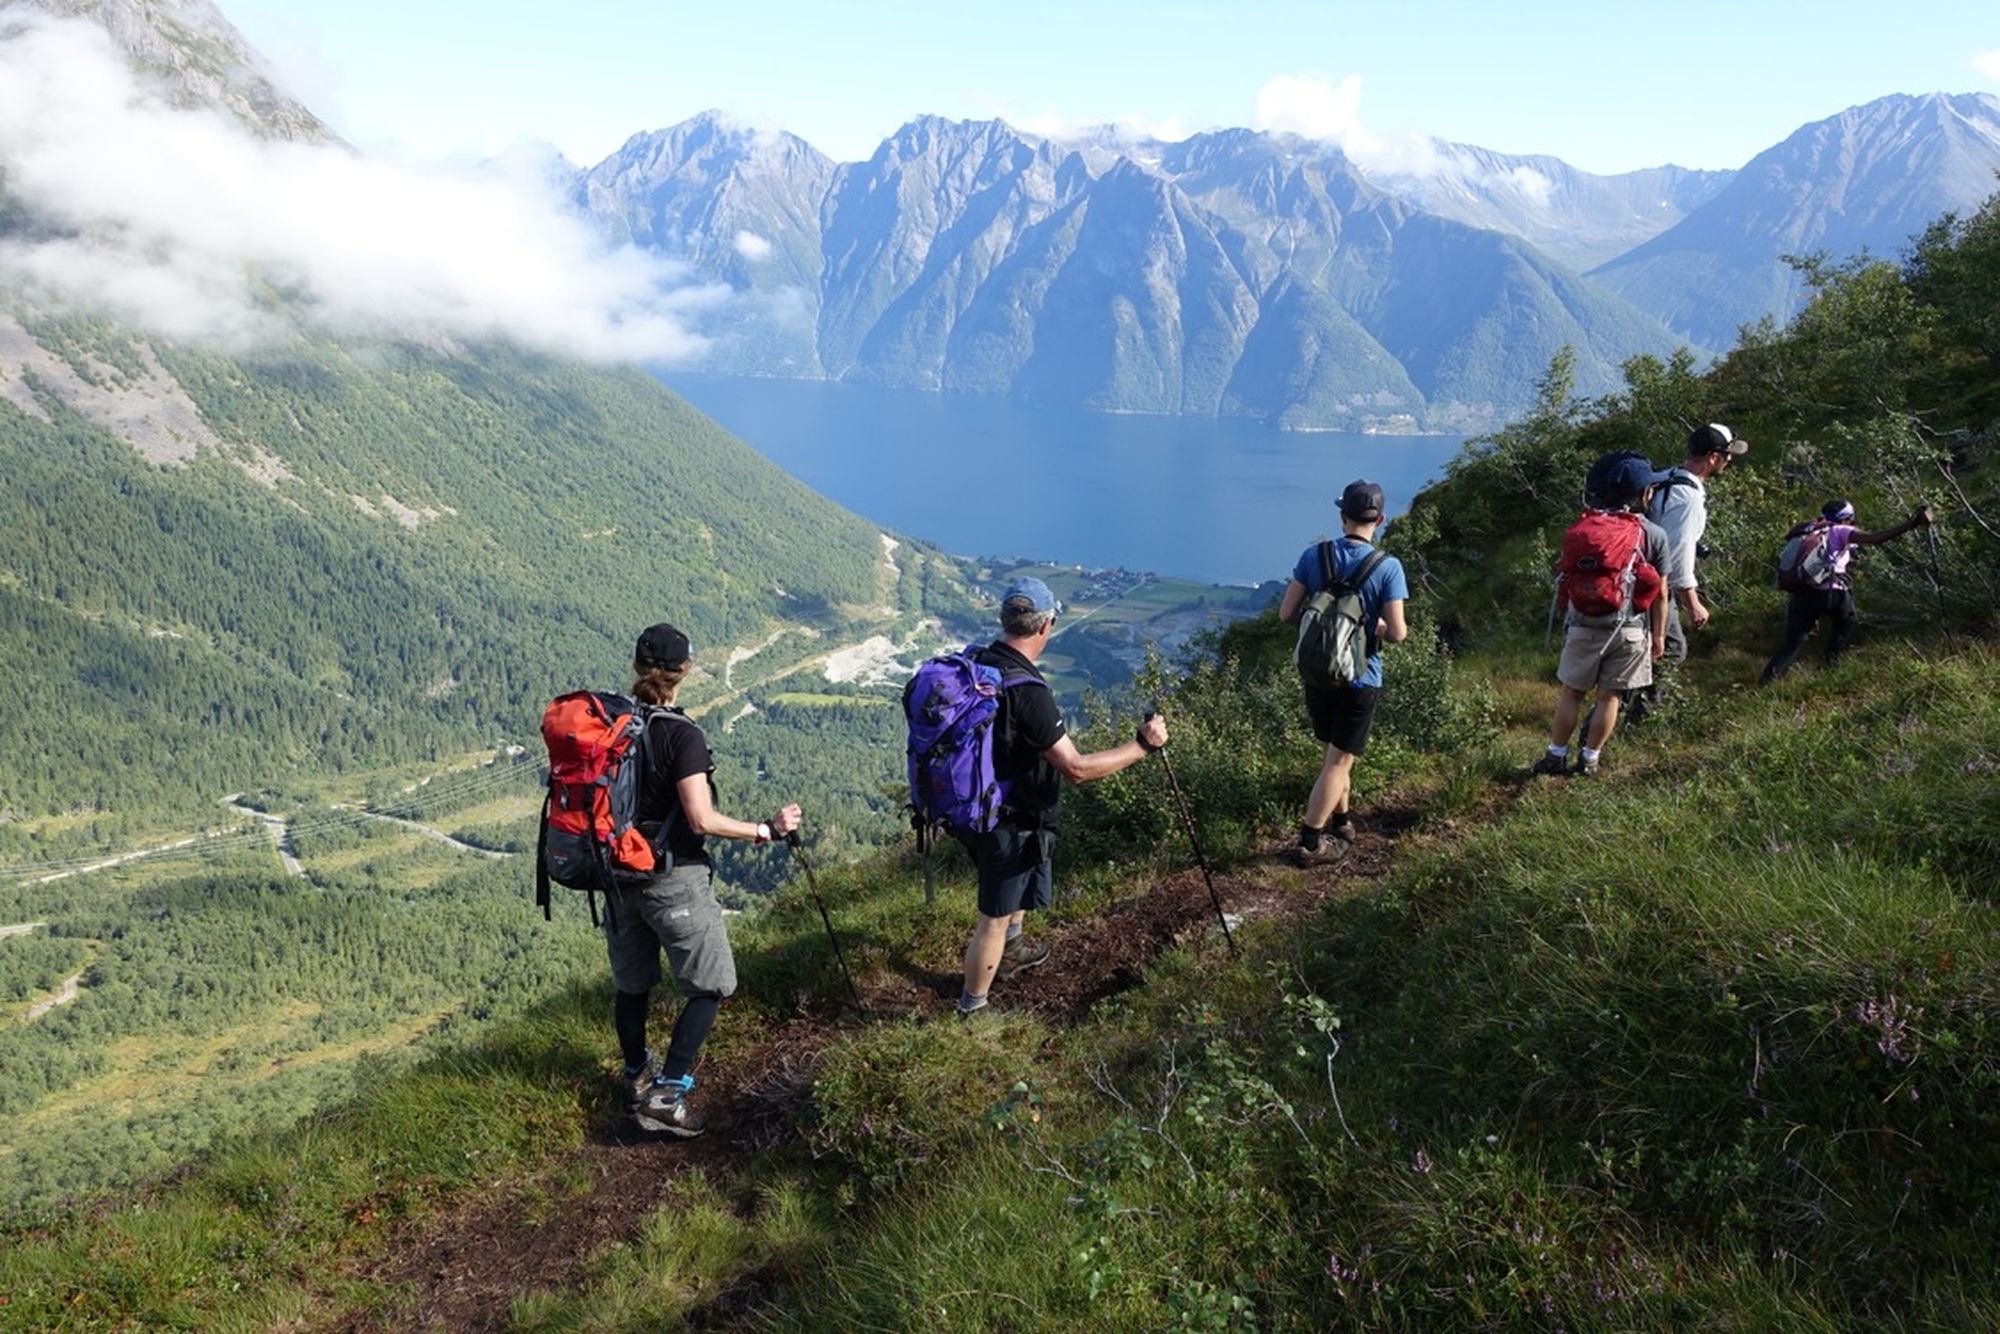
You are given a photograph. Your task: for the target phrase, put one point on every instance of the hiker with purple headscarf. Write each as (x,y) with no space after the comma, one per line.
(1815,569)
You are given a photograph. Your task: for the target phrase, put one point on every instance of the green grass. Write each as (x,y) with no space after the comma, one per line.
(1711,1042)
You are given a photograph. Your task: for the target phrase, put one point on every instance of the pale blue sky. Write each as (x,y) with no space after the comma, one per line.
(1607,86)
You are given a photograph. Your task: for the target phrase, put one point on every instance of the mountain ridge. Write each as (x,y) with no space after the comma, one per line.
(1840,185)
(931,275)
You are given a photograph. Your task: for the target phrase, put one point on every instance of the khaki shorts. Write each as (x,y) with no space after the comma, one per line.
(1612,657)
(676,912)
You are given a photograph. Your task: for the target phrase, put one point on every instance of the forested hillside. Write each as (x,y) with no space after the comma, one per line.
(374,555)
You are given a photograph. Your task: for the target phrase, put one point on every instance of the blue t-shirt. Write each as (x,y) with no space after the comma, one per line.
(1387,584)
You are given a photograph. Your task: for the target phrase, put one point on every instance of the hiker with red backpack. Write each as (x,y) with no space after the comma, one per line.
(631,802)
(1609,580)
(1814,568)
(988,756)
(1347,598)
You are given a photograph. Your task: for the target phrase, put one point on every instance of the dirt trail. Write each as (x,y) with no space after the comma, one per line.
(275,826)
(71,987)
(464,1271)
(436,835)
(19,929)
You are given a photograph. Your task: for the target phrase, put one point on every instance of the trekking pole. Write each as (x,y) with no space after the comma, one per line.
(1187,823)
(1937,579)
(812,884)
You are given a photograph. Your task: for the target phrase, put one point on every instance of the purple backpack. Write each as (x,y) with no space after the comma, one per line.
(951,703)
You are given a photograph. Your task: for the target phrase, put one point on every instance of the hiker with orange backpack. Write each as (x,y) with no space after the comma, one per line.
(1609,580)
(631,803)
(1813,568)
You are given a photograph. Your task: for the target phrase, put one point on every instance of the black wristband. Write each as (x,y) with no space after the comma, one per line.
(1140,737)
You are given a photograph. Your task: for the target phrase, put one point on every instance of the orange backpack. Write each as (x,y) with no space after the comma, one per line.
(590,838)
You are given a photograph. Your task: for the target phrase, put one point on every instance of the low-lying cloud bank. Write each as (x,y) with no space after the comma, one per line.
(184,223)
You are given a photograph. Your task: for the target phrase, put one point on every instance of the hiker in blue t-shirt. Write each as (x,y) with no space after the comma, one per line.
(1342,715)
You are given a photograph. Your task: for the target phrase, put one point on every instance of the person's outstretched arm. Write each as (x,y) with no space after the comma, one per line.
(1078,767)
(702,817)
(1921,519)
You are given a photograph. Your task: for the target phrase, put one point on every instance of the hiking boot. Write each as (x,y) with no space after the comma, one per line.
(978,1014)
(1586,768)
(638,1084)
(666,1109)
(1330,850)
(1554,766)
(1343,832)
(1020,955)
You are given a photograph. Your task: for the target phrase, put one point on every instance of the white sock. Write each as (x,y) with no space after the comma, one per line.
(1013,930)
(1589,754)
(1559,752)
(967,1002)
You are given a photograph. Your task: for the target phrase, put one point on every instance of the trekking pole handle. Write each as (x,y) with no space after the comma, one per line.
(1140,737)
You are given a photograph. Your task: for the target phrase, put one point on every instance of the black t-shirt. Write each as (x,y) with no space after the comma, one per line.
(1028,724)
(675,749)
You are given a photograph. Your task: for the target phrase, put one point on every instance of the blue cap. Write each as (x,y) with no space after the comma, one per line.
(1031,591)
(1629,480)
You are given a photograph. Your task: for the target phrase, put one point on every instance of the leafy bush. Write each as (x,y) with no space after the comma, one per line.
(892,1098)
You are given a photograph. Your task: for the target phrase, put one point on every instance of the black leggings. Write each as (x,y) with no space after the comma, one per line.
(690,1030)
(1836,604)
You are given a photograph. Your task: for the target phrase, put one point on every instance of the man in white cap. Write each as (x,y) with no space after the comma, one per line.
(1680,508)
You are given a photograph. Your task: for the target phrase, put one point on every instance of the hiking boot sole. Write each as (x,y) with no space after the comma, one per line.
(667,1127)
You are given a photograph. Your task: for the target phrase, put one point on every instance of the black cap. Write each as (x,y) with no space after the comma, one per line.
(1715,438)
(1361,501)
(661,646)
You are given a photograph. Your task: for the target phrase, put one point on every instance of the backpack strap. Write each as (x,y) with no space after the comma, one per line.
(1354,581)
(542,860)
(653,713)
(1327,578)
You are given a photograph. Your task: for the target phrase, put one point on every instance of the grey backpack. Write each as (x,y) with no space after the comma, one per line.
(1333,631)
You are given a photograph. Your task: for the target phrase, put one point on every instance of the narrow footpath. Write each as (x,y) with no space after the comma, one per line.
(463,1272)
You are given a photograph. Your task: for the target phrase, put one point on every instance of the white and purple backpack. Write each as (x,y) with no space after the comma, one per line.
(1807,561)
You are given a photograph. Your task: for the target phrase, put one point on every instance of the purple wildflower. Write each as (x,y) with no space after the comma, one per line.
(1891,1022)
(1421,1165)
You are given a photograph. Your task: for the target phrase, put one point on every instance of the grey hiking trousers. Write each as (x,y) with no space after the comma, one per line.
(676,912)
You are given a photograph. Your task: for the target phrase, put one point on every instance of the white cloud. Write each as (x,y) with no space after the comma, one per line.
(184,223)
(1130,128)
(1531,183)
(1988,64)
(752,246)
(1316,107)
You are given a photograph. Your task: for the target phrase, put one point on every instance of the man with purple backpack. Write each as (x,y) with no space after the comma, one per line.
(989,754)
(1813,568)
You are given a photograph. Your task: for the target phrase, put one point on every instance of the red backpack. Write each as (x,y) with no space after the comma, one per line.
(590,838)
(1603,571)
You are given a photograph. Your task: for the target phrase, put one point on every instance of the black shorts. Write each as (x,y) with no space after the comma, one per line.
(1016,869)
(1343,715)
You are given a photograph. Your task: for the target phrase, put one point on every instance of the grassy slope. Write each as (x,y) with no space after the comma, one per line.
(1714,1037)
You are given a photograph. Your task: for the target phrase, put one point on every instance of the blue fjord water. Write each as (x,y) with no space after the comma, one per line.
(1203,498)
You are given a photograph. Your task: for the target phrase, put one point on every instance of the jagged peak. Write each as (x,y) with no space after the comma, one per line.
(198,55)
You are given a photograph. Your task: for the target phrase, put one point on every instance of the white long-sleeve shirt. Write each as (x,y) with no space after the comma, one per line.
(1682,510)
